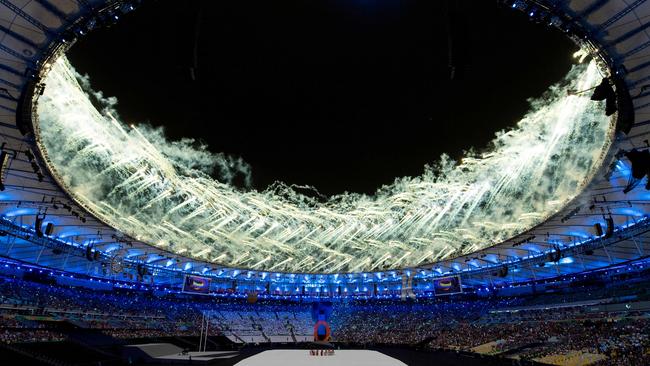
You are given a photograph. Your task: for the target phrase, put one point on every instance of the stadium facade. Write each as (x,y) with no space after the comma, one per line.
(46,229)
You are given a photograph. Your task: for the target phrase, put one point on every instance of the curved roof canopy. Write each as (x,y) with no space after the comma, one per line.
(34,33)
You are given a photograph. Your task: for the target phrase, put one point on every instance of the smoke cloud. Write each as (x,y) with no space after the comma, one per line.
(161,191)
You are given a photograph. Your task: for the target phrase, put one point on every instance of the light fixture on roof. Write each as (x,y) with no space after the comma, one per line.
(4,162)
(38,225)
(640,160)
(605,92)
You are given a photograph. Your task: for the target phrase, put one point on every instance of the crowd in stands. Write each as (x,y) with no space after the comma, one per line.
(264,324)
(525,327)
(409,323)
(121,314)
(29,335)
(605,336)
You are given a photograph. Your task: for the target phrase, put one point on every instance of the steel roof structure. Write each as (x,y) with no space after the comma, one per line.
(35,32)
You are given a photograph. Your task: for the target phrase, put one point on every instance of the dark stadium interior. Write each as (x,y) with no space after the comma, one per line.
(324,97)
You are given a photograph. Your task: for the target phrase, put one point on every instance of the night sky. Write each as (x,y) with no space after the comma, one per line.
(344,95)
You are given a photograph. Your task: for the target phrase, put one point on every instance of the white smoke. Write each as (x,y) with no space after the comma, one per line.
(160,191)
(186,154)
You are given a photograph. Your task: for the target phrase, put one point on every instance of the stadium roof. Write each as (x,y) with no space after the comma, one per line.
(34,33)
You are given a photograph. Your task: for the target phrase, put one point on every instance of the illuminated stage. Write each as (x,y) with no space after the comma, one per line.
(302,357)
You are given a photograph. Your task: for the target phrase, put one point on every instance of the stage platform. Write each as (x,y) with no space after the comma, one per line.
(288,355)
(282,357)
(166,353)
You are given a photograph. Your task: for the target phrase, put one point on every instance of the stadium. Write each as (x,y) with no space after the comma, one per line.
(202,219)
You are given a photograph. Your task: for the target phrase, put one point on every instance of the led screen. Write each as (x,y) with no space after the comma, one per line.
(447,285)
(196,285)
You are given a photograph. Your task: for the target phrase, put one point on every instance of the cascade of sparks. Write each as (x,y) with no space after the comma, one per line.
(159,191)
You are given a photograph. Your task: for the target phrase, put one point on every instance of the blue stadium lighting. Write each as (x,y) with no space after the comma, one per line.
(629,212)
(520,5)
(566,260)
(555,21)
(21,212)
